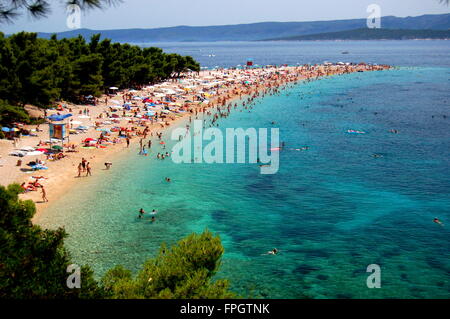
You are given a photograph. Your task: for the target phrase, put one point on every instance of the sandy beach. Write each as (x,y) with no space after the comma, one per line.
(134,112)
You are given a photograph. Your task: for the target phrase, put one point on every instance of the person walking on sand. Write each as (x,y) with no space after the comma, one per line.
(83,164)
(128,141)
(88,169)
(44,194)
(80,169)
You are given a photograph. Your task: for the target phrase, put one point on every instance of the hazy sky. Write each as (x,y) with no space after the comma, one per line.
(166,13)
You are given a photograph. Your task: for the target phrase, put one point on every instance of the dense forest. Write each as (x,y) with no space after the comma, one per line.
(41,71)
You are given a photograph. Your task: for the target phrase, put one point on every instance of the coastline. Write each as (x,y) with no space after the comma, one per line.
(61,175)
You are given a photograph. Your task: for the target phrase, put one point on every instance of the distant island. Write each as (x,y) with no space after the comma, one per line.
(268,30)
(371,34)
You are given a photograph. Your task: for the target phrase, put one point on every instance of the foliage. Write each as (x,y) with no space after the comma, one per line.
(33,261)
(41,71)
(10,10)
(182,272)
(10,114)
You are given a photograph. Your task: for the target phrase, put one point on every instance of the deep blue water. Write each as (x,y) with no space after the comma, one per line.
(231,54)
(332,210)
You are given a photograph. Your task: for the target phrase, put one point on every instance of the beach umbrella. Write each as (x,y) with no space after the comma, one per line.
(113,88)
(76,122)
(57,147)
(89,139)
(57,118)
(42,150)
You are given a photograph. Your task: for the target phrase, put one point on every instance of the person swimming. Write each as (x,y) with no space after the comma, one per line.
(272,252)
(437,221)
(141,213)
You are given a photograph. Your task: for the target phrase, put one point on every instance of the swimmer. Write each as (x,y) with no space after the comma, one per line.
(153,212)
(437,221)
(167,179)
(153,219)
(141,213)
(272,252)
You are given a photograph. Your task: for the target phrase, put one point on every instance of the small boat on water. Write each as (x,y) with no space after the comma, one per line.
(345,52)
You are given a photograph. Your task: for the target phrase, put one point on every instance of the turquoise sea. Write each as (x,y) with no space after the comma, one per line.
(332,210)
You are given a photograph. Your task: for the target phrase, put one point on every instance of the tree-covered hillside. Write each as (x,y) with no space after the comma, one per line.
(40,71)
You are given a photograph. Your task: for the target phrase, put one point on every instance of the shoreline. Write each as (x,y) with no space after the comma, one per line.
(62,174)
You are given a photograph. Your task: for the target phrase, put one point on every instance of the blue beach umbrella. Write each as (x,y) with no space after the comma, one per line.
(6,129)
(57,118)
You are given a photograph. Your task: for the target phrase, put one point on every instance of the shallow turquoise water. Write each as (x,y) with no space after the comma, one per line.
(331,210)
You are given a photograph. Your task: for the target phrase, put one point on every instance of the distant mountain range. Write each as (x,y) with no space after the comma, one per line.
(372,34)
(258,31)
